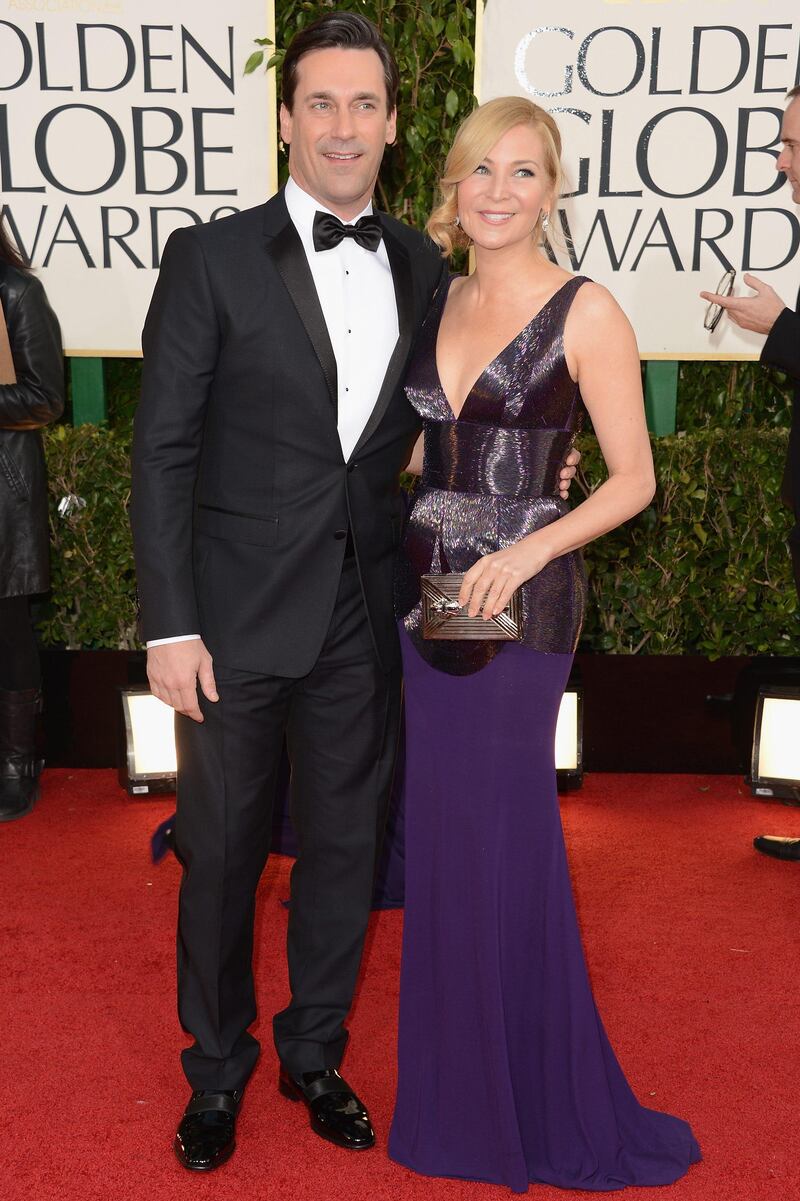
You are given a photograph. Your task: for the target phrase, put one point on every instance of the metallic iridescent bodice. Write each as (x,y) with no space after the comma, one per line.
(490,476)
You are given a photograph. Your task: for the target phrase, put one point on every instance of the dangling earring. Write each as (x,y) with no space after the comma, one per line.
(545,222)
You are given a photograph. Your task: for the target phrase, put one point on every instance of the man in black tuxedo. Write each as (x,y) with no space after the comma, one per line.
(270,434)
(766,313)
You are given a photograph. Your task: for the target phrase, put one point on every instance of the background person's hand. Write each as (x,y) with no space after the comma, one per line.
(757,313)
(174,669)
(567,473)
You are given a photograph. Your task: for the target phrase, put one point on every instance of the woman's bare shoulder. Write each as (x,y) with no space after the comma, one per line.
(595,301)
(596,326)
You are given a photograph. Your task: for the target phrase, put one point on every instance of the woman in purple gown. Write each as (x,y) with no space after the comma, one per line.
(505,1070)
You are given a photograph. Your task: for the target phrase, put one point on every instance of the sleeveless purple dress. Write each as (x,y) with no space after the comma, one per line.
(505,1071)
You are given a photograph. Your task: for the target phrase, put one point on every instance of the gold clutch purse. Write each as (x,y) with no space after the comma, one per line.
(443,617)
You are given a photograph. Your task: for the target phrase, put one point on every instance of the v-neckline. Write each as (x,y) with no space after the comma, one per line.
(456,416)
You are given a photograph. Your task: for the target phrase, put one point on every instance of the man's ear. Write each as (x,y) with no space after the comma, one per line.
(391,127)
(286,125)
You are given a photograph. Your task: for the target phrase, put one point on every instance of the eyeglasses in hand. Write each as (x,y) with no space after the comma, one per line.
(714,311)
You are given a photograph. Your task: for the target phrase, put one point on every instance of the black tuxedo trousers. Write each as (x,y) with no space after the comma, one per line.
(341,724)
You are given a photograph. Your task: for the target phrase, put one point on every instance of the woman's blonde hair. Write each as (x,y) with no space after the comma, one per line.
(474,139)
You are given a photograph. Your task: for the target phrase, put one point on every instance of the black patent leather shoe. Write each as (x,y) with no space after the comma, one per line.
(777,847)
(206,1135)
(334,1109)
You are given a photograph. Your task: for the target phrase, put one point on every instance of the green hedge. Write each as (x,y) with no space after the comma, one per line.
(92,602)
(704,570)
(732,396)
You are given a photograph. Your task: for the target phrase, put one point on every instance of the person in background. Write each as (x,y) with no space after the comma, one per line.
(766,313)
(33,401)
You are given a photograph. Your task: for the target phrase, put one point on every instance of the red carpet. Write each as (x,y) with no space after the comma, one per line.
(692,945)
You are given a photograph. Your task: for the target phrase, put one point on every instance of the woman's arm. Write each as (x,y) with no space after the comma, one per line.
(602,355)
(414,464)
(601,351)
(37,397)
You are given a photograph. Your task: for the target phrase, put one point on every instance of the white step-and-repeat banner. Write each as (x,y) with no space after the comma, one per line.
(670,114)
(121,120)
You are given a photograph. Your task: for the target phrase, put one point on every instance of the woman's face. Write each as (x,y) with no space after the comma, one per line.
(500,203)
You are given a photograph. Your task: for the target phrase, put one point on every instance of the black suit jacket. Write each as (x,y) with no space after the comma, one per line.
(782,349)
(241,496)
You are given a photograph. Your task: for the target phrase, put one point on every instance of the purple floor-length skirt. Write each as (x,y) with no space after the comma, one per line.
(505,1070)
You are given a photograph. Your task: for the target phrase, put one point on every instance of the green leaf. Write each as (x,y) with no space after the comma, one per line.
(254,61)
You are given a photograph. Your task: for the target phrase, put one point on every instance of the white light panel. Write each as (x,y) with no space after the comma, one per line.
(567,733)
(779,746)
(153,727)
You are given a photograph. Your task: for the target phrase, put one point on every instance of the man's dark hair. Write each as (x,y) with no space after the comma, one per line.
(8,251)
(793,93)
(346,31)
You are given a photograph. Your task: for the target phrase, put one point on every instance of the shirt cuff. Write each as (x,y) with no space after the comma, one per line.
(179,638)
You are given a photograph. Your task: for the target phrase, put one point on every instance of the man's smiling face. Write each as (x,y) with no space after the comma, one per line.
(338,127)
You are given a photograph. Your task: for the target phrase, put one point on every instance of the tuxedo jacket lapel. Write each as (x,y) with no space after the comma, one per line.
(404,296)
(286,251)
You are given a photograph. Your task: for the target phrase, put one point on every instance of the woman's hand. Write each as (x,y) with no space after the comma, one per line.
(568,472)
(490,583)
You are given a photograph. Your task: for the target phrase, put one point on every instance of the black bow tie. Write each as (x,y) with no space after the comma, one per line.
(329,231)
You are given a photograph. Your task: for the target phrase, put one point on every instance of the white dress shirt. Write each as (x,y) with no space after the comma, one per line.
(356,292)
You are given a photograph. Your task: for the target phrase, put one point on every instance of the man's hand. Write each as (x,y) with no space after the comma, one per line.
(174,669)
(567,473)
(757,313)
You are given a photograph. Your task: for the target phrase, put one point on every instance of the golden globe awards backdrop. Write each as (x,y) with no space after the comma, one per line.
(670,114)
(121,120)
